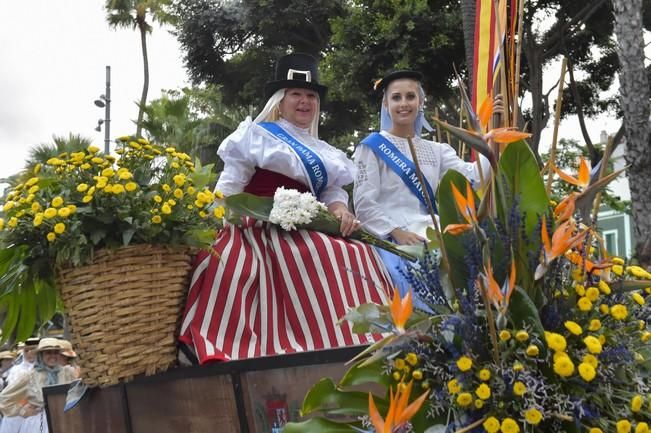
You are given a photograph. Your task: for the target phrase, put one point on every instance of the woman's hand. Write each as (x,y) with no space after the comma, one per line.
(28,410)
(348,222)
(404,237)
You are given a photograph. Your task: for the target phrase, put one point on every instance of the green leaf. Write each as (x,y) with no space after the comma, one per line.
(326,397)
(318,425)
(358,374)
(367,317)
(96,236)
(523,311)
(127,235)
(249,204)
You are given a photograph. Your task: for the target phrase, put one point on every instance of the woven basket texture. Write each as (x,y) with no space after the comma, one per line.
(123,310)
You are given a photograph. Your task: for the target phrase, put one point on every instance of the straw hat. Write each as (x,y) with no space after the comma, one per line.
(49,344)
(66,349)
(7,354)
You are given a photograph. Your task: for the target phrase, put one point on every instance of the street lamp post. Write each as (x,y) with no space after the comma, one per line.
(104,101)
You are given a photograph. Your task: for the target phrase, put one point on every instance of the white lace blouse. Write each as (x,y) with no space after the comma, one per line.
(252,146)
(382,200)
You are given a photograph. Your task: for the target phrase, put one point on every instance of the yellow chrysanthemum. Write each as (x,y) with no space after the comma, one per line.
(50,213)
(87,198)
(417,374)
(411,358)
(642,427)
(125,175)
(623,426)
(519,388)
(51,237)
(517,366)
(509,425)
(637,271)
(522,336)
(592,293)
(33,190)
(639,299)
(617,260)
(595,430)
(505,335)
(573,327)
(595,325)
(617,270)
(484,374)
(591,359)
(2,223)
(64,212)
(604,287)
(219,212)
(483,391)
(619,312)
(399,363)
(131,186)
(479,403)
(92,149)
(158,199)
(604,309)
(579,289)
(636,403)
(593,344)
(179,179)
(97,160)
(646,336)
(464,399)
(38,219)
(118,189)
(156,219)
(464,363)
(563,366)
(191,190)
(108,172)
(533,350)
(166,187)
(108,189)
(178,193)
(584,304)
(555,341)
(587,371)
(491,425)
(533,416)
(59,228)
(454,386)
(396,376)
(13,222)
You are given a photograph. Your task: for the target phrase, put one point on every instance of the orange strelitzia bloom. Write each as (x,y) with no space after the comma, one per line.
(562,240)
(401,310)
(399,412)
(581,180)
(466,206)
(499,296)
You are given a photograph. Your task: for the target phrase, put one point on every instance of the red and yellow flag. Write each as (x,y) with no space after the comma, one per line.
(490,26)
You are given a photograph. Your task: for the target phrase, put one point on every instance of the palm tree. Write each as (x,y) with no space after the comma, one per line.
(634,100)
(134,14)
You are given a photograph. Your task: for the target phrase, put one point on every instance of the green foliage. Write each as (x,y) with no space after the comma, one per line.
(76,203)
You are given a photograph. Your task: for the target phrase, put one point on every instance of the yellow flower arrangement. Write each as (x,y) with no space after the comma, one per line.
(80,202)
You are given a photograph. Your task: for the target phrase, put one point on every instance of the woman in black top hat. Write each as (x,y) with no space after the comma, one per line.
(268,291)
(389,199)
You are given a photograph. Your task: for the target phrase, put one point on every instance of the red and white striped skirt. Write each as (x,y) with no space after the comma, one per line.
(266,291)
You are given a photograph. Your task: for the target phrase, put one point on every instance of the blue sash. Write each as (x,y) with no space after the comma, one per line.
(401,165)
(313,164)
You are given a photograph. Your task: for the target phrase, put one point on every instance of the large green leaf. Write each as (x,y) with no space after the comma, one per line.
(523,312)
(520,181)
(367,317)
(361,374)
(249,204)
(326,397)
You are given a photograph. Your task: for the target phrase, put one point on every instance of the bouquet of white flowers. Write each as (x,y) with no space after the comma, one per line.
(293,210)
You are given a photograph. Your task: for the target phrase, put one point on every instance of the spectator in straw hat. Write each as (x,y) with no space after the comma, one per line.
(24,365)
(24,396)
(6,362)
(67,356)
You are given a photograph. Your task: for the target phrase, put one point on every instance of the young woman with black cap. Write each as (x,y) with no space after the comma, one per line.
(267,291)
(388,196)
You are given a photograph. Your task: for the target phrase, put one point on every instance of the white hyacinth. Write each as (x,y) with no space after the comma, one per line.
(292,208)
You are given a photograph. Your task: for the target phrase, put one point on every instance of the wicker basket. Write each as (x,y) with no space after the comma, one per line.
(123,310)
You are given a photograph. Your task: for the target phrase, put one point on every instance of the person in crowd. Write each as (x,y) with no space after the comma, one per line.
(24,364)
(389,199)
(68,357)
(7,358)
(23,397)
(266,291)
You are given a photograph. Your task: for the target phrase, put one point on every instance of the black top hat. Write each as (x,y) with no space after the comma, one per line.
(32,342)
(382,84)
(296,70)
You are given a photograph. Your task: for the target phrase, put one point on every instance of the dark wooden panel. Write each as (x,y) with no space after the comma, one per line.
(192,405)
(281,388)
(100,411)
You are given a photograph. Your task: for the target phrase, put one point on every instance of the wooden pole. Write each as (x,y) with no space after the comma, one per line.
(557,121)
(516,91)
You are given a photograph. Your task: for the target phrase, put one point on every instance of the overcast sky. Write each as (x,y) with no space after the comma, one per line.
(53,55)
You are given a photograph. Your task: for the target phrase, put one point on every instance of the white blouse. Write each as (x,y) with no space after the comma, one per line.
(252,146)
(382,200)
